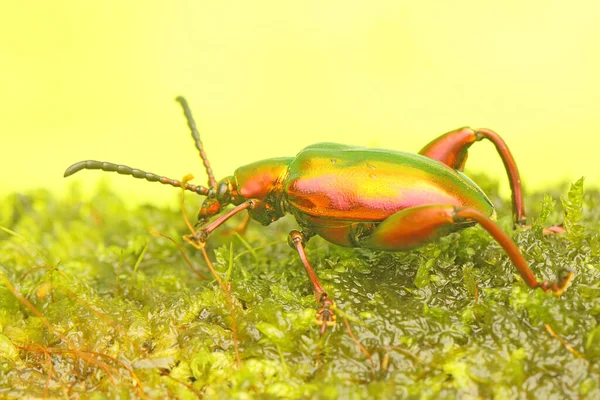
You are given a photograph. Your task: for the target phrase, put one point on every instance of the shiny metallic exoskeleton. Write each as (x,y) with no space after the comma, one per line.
(357,197)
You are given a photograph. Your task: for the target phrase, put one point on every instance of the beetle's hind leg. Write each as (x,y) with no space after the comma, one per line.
(325,315)
(558,287)
(416,226)
(452,150)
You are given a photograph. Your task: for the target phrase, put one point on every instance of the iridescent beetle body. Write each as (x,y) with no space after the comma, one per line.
(358,197)
(342,193)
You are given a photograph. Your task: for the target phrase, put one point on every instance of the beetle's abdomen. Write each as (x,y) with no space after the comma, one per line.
(362,184)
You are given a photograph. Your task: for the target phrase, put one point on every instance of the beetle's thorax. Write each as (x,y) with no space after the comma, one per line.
(261,182)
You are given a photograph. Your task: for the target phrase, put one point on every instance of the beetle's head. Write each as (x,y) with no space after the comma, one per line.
(223,194)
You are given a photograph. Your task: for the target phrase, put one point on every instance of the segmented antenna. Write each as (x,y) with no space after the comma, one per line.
(212,182)
(136,173)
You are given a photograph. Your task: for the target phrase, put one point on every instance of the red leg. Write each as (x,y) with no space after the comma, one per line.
(418,225)
(325,315)
(513,252)
(202,233)
(452,149)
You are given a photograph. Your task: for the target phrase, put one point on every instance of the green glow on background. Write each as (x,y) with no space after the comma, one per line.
(97,80)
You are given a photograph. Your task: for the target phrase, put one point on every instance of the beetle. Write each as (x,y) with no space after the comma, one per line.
(357,197)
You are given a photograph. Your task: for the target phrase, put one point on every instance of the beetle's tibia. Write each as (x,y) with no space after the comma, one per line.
(248,204)
(511,249)
(325,315)
(511,170)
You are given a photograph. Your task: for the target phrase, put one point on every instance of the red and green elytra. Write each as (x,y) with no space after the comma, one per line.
(358,197)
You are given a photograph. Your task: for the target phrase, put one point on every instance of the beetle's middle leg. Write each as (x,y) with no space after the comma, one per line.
(452,149)
(416,226)
(325,315)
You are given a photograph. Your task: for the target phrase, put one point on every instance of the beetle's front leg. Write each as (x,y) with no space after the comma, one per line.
(199,238)
(325,315)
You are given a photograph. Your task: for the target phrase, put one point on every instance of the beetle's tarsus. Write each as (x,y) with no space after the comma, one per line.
(191,239)
(325,316)
(201,236)
(558,288)
(522,222)
(198,239)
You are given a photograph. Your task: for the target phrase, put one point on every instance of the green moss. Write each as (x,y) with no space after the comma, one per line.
(451,319)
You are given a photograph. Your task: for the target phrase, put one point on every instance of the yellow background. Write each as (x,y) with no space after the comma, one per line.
(96,80)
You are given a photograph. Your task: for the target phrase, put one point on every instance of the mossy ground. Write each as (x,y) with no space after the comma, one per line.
(117,313)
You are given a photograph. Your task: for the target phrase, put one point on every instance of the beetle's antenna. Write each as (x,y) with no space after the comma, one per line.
(212,182)
(136,173)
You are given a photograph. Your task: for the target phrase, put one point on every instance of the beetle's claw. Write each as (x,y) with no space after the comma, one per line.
(198,239)
(565,277)
(558,288)
(325,316)
(201,235)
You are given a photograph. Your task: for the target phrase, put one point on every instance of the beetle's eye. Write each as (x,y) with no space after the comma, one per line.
(211,193)
(223,192)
